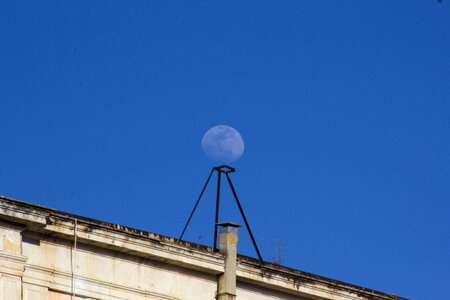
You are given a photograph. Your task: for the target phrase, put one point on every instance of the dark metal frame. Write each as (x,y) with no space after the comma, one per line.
(222,170)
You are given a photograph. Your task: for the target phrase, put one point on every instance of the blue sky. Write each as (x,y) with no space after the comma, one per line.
(344,107)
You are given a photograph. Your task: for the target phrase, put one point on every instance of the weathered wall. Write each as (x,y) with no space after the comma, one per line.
(51,266)
(105,274)
(11,261)
(36,266)
(248,291)
(47,255)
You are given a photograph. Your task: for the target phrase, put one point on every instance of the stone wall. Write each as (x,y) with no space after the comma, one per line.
(49,255)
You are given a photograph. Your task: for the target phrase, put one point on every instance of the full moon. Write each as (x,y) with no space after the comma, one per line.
(223,144)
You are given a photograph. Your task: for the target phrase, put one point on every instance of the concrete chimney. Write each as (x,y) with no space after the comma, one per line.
(226,285)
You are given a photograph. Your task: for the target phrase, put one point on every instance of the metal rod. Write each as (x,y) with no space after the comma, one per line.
(74,256)
(219,173)
(196,204)
(245,219)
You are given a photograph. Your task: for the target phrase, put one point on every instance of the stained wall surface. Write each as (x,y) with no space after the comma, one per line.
(48,255)
(51,268)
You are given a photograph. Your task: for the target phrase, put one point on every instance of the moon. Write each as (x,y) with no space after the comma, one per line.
(223,144)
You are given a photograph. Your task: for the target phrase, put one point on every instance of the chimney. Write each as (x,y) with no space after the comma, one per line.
(226,285)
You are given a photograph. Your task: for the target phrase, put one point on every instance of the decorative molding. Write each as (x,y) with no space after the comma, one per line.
(11,263)
(121,239)
(61,281)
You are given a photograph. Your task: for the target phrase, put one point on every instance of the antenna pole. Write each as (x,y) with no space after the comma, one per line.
(219,173)
(245,219)
(196,204)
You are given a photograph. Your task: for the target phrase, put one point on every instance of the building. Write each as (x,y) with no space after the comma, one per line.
(50,255)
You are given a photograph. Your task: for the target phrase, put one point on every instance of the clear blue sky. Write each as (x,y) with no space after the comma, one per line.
(344,107)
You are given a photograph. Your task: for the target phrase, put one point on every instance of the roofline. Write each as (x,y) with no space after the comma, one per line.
(253,262)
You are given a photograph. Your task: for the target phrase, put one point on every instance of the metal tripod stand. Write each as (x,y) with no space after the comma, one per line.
(222,170)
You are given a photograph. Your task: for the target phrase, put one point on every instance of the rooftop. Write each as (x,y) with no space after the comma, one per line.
(168,249)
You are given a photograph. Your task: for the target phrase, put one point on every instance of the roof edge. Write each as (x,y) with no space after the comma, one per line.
(281,270)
